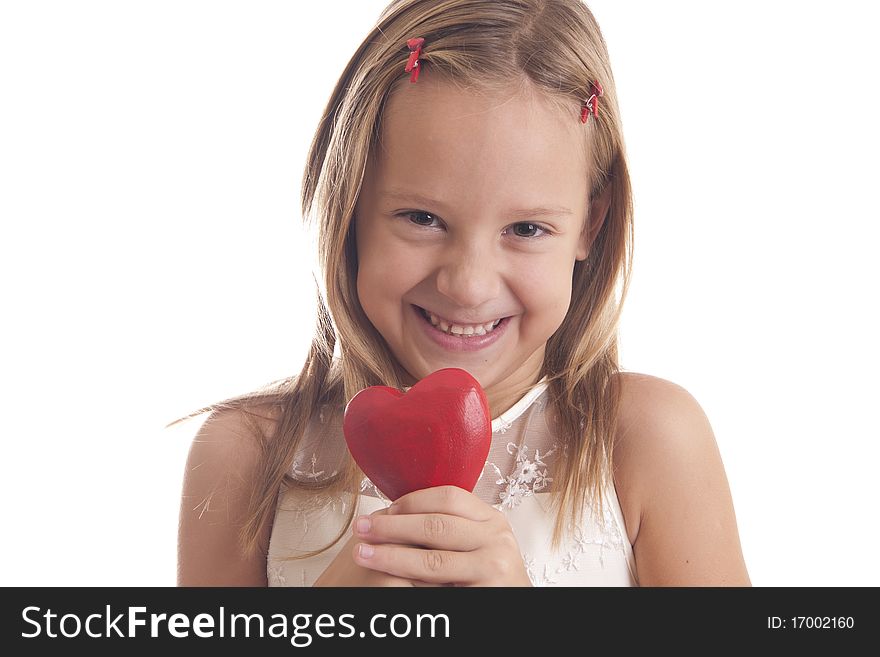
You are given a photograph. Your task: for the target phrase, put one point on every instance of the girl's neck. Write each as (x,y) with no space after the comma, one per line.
(509,391)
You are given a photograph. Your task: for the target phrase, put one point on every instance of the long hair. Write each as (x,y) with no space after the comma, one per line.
(558,47)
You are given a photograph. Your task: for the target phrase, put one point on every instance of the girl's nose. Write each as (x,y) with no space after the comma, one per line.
(469,278)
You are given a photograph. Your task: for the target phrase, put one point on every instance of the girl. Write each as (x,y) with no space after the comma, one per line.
(474,214)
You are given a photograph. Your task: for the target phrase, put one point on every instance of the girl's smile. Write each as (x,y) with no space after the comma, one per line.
(454,337)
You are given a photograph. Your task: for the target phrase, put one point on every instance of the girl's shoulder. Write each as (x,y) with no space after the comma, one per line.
(672,487)
(222,466)
(235,435)
(656,419)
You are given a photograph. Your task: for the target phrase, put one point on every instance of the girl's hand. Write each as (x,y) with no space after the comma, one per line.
(343,571)
(441,535)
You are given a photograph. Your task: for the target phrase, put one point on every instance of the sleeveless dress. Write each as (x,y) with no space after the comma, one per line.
(594,552)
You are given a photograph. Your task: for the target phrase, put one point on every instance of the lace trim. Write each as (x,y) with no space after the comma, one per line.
(502,423)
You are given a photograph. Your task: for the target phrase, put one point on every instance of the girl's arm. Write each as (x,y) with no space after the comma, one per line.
(217,482)
(671,479)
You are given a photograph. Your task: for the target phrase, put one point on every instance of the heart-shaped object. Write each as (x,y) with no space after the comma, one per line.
(437,433)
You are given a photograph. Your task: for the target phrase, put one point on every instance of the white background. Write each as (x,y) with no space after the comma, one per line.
(152,260)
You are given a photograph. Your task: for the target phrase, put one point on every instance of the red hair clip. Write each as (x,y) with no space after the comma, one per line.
(412,64)
(592,104)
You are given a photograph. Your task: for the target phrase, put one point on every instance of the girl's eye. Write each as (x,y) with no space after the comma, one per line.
(420,218)
(529,230)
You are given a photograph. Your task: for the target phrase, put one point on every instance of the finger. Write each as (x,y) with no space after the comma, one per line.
(431,566)
(431,530)
(450,500)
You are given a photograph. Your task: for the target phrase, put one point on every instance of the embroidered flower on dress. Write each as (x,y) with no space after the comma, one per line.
(579,539)
(276,576)
(529,563)
(569,562)
(526,479)
(513,494)
(527,472)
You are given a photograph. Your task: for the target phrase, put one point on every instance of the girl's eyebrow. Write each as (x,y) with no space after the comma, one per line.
(418,199)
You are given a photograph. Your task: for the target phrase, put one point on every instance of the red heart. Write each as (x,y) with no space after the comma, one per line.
(438,433)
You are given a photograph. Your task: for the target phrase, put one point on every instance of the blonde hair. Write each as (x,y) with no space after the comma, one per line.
(480,44)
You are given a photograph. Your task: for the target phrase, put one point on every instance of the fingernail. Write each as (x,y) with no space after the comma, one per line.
(363,524)
(365,551)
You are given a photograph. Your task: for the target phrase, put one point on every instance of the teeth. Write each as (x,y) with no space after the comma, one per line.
(454,329)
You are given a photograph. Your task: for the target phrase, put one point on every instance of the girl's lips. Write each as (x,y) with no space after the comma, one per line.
(460,343)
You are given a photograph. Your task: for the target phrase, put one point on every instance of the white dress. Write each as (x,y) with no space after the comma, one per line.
(595,552)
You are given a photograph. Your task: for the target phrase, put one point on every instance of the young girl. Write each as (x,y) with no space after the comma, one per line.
(475,214)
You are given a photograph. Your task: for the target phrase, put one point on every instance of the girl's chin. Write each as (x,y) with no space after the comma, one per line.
(482,377)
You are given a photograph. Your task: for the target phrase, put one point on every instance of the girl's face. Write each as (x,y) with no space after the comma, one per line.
(473,209)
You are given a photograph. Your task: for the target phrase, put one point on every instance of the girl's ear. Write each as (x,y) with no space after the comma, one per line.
(597,213)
